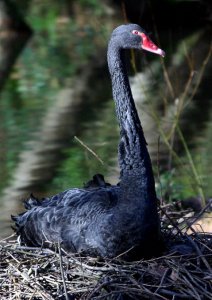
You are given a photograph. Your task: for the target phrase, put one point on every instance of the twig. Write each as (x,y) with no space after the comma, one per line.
(200,254)
(91,151)
(162,280)
(62,272)
(197,217)
(196,176)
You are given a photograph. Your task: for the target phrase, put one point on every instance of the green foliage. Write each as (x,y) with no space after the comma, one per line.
(93,5)
(184,176)
(80,165)
(175,185)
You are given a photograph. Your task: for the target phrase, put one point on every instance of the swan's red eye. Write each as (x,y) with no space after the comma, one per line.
(135,32)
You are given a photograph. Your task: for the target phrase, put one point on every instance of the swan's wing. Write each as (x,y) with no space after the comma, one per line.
(67,217)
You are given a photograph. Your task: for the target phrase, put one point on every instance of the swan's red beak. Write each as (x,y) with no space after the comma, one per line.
(148,45)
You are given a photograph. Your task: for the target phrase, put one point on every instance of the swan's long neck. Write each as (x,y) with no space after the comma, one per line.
(134,158)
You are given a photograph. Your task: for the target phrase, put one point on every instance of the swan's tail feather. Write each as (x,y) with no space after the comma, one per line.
(20,219)
(31,202)
(97,181)
(24,234)
(17,226)
(14,218)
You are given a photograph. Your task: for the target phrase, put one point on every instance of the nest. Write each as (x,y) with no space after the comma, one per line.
(183,272)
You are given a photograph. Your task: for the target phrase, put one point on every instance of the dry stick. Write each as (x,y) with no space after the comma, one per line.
(27,253)
(91,151)
(197,283)
(151,294)
(43,294)
(123,253)
(165,139)
(170,157)
(110,294)
(200,254)
(195,292)
(191,162)
(174,265)
(186,89)
(175,294)
(6,238)
(140,286)
(189,225)
(172,222)
(204,245)
(168,144)
(166,76)
(158,171)
(91,268)
(198,250)
(62,271)
(140,268)
(179,109)
(10,254)
(196,287)
(188,84)
(189,60)
(162,280)
(95,290)
(36,285)
(180,104)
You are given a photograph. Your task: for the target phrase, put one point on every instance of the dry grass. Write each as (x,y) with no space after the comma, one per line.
(34,273)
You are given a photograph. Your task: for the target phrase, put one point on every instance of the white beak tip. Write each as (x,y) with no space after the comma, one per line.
(161,52)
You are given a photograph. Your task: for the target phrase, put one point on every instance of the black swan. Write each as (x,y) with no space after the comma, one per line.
(100,219)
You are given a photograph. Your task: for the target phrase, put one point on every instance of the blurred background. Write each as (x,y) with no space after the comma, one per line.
(57,120)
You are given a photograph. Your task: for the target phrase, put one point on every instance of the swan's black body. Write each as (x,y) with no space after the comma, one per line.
(102,219)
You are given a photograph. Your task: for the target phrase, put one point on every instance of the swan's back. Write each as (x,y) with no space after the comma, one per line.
(77,218)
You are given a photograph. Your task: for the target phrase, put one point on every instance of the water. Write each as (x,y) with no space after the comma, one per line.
(49,99)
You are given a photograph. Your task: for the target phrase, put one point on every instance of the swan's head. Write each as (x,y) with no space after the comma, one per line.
(132,36)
